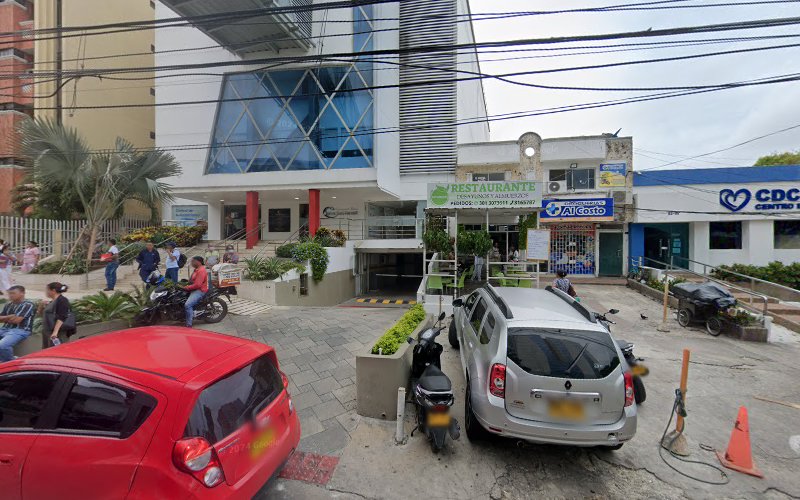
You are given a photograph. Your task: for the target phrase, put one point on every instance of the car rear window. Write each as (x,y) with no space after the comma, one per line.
(231,401)
(562,354)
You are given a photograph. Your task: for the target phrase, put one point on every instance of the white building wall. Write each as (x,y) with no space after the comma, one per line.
(471,98)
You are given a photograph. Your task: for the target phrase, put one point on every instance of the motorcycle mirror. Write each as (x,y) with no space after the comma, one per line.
(613,311)
(458,303)
(442,316)
(410,340)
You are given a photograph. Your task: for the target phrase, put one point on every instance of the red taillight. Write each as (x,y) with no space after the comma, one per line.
(629,398)
(497,380)
(285,380)
(197,457)
(440,408)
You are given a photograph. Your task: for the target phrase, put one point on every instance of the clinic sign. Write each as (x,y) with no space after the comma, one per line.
(583,210)
(519,194)
(761,199)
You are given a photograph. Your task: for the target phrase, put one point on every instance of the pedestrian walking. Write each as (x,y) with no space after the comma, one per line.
(7,261)
(17,319)
(148,260)
(113,263)
(30,258)
(198,286)
(58,321)
(173,264)
(477,272)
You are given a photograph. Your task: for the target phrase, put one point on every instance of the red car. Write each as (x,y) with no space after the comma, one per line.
(155,412)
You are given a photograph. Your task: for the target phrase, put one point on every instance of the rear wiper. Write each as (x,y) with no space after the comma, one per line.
(578,357)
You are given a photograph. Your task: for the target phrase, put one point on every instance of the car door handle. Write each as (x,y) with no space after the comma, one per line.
(6,459)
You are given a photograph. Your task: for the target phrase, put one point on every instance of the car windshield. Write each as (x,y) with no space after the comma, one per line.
(562,354)
(233,400)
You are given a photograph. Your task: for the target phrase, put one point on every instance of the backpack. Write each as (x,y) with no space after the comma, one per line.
(181,260)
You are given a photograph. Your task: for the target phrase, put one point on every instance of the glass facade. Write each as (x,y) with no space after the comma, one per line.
(300,119)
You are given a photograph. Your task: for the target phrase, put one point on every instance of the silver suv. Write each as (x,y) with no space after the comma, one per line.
(539,366)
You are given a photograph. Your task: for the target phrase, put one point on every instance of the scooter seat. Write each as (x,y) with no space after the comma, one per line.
(433,380)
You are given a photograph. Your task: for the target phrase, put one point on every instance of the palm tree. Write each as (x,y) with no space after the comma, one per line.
(60,160)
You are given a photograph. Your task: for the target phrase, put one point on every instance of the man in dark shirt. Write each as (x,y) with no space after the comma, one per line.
(17,319)
(148,260)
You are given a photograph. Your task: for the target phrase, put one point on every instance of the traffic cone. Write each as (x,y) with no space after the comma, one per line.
(739,457)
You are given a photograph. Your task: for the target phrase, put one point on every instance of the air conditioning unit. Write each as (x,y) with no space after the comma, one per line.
(557,187)
(622,198)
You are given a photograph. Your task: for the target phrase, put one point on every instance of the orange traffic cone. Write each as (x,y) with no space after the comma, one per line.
(739,457)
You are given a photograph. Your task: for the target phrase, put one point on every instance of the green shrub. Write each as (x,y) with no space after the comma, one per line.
(285,251)
(398,334)
(75,265)
(314,252)
(327,238)
(776,272)
(101,307)
(261,269)
(182,236)
(659,284)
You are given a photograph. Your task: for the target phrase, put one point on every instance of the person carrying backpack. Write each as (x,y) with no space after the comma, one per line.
(175,261)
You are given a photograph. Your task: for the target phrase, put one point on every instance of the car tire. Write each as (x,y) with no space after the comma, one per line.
(639,392)
(473,428)
(452,334)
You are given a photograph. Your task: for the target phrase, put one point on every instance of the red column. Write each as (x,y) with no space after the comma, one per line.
(251,219)
(313,211)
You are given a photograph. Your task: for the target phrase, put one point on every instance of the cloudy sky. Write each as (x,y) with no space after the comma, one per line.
(662,130)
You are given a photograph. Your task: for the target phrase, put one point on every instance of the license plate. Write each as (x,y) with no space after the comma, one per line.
(262,443)
(566,409)
(438,419)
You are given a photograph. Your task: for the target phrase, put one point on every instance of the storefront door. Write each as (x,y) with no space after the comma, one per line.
(572,248)
(663,242)
(610,254)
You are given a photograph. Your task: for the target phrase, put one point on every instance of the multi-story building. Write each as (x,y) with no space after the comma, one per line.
(587,196)
(317,117)
(16,102)
(90,104)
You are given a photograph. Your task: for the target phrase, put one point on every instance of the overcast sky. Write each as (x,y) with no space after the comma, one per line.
(687,126)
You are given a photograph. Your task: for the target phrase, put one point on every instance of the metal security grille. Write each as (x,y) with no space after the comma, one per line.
(572,248)
(425,145)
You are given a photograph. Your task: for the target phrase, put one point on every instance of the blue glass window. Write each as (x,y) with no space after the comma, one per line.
(302,119)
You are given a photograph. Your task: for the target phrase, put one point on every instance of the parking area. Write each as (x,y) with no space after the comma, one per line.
(724,374)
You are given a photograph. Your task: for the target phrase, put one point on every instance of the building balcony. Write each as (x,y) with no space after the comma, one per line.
(263,31)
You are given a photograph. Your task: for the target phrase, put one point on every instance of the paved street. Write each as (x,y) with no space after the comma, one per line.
(316,346)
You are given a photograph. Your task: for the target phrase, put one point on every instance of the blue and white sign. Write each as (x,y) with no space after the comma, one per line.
(582,210)
(762,199)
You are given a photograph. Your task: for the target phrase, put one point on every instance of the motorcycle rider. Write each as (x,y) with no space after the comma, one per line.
(198,286)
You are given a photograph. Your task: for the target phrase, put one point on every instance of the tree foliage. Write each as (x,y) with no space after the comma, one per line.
(60,161)
(787,158)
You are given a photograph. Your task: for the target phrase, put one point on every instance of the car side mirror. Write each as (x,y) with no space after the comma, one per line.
(613,311)
(458,303)
(442,316)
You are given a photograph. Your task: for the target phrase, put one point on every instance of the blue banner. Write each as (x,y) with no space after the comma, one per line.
(578,210)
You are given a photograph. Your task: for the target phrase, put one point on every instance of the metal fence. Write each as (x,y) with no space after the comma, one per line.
(48,233)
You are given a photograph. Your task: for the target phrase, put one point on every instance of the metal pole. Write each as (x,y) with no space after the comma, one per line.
(663,327)
(399,435)
(455,255)
(679,423)
(486,257)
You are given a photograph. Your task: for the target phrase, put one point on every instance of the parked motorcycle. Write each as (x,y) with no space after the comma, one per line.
(431,390)
(167,303)
(638,368)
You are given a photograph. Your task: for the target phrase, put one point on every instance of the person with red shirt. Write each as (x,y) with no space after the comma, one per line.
(198,286)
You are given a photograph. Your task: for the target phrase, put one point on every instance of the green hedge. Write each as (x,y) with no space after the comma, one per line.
(398,334)
(776,272)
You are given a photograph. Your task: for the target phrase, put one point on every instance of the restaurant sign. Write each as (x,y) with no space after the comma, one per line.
(513,194)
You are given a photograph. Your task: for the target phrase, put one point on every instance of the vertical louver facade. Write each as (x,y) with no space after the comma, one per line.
(428,112)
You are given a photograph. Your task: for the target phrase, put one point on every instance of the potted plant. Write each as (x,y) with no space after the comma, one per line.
(386,366)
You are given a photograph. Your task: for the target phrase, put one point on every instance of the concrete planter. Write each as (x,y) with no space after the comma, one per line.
(379,377)
(92,329)
(652,293)
(747,333)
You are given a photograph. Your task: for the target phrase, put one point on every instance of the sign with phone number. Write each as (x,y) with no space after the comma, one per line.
(520,194)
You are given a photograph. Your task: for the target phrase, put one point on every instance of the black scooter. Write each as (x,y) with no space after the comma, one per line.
(638,369)
(431,390)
